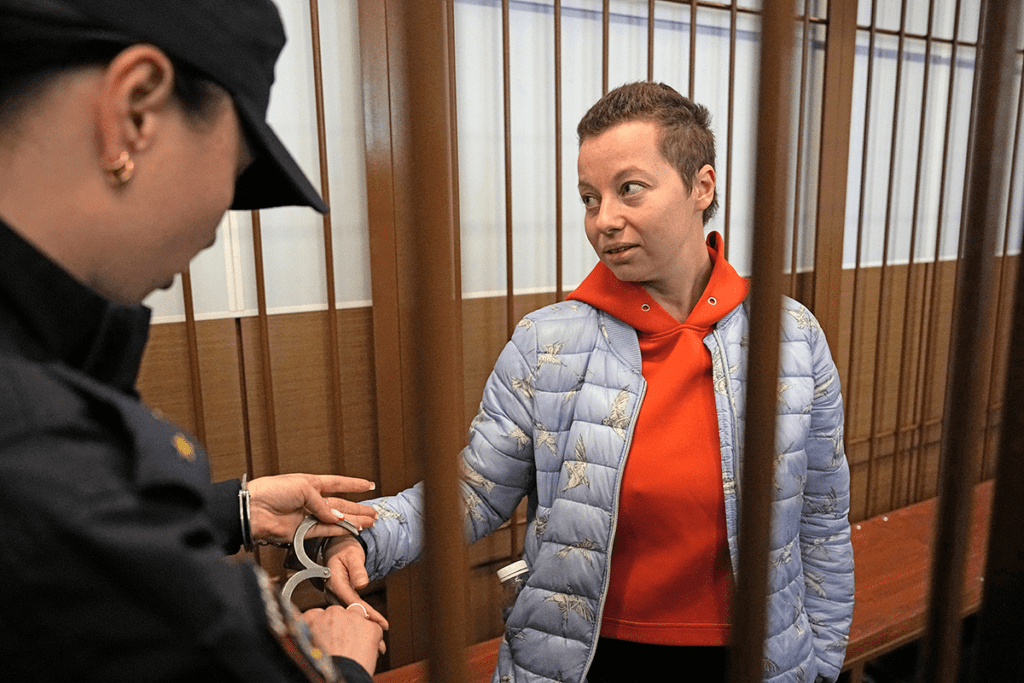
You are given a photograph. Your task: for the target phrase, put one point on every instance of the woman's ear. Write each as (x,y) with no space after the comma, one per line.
(704,186)
(137,86)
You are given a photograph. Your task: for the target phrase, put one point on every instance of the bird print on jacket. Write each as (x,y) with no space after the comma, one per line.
(803,318)
(815,583)
(520,437)
(550,355)
(567,602)
(828,506)
(474,478)
(582,547)
(577,468)
(617,418)
(818,549)
(822,389)
(473,502)
(523,385)
(543,437)
(837,446)
(384,512)
(720,375)
(783,388)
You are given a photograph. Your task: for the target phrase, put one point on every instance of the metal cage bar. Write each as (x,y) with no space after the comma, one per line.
(881,318)
(770,202)
(266,364)
(965,401)
(333,353)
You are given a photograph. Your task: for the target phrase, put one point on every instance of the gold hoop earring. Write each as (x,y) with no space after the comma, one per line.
(121,170)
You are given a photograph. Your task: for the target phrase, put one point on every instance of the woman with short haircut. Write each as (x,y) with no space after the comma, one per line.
(618,415)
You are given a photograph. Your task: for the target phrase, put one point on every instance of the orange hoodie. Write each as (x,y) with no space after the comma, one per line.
(670,581)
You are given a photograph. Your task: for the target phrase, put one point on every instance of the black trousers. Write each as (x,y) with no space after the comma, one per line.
(623,661)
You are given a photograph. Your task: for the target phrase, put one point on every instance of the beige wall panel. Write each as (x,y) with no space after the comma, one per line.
(255,396)
(359,390)
(222,397)
(164,382)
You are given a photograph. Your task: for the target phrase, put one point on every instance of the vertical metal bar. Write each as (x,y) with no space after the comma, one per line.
(693,46)
(650,40)
(243,392)
(193,357)
(605,31)
(1003,269)
(265,362)
(998,655)
(834,157)
(964,409)
(907,318)
(770,205)
(882,316)
(854,351)
(510,316)
(453,112)
(794,254)
(334,360)
(929,317)
(379,51)
(433,264)
(727,219)
(559,275)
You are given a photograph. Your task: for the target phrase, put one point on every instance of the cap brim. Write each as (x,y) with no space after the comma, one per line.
(273,178)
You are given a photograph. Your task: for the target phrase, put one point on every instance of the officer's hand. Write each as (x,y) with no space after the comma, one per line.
(277,505)
(347,633)
(347,562)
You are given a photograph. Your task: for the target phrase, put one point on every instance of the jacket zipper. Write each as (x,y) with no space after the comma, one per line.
(615,524)
(735,442)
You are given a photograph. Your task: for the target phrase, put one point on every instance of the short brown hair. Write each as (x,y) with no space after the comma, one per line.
(686,138)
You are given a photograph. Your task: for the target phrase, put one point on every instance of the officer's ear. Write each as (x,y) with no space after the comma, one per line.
(136,90)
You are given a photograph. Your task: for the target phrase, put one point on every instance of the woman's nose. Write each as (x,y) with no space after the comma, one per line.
(609,217)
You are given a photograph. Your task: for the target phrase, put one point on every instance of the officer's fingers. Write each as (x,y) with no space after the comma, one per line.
(335,483)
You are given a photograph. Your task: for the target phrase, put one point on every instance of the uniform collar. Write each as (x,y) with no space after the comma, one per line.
(48,316)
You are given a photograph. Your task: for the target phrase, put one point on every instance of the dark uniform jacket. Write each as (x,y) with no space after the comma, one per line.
(112,539)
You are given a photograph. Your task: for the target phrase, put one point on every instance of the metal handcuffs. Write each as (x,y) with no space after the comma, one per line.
(311,569)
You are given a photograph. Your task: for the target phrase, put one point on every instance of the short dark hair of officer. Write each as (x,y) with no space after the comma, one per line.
(686,138)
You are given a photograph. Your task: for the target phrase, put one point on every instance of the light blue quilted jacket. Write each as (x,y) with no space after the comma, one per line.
(555,425)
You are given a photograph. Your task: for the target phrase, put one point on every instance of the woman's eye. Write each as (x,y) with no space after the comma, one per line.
(631,188)
(588,201)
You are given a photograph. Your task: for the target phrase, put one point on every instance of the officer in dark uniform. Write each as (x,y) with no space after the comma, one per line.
(124,126)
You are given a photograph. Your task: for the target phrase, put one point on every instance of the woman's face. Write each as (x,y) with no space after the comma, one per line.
(187,182)
(639,213)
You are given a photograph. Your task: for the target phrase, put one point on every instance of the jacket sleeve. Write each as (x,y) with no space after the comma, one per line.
(497,466)
(825,528)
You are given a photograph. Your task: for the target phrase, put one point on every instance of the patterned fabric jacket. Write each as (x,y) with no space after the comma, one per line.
(555,424)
